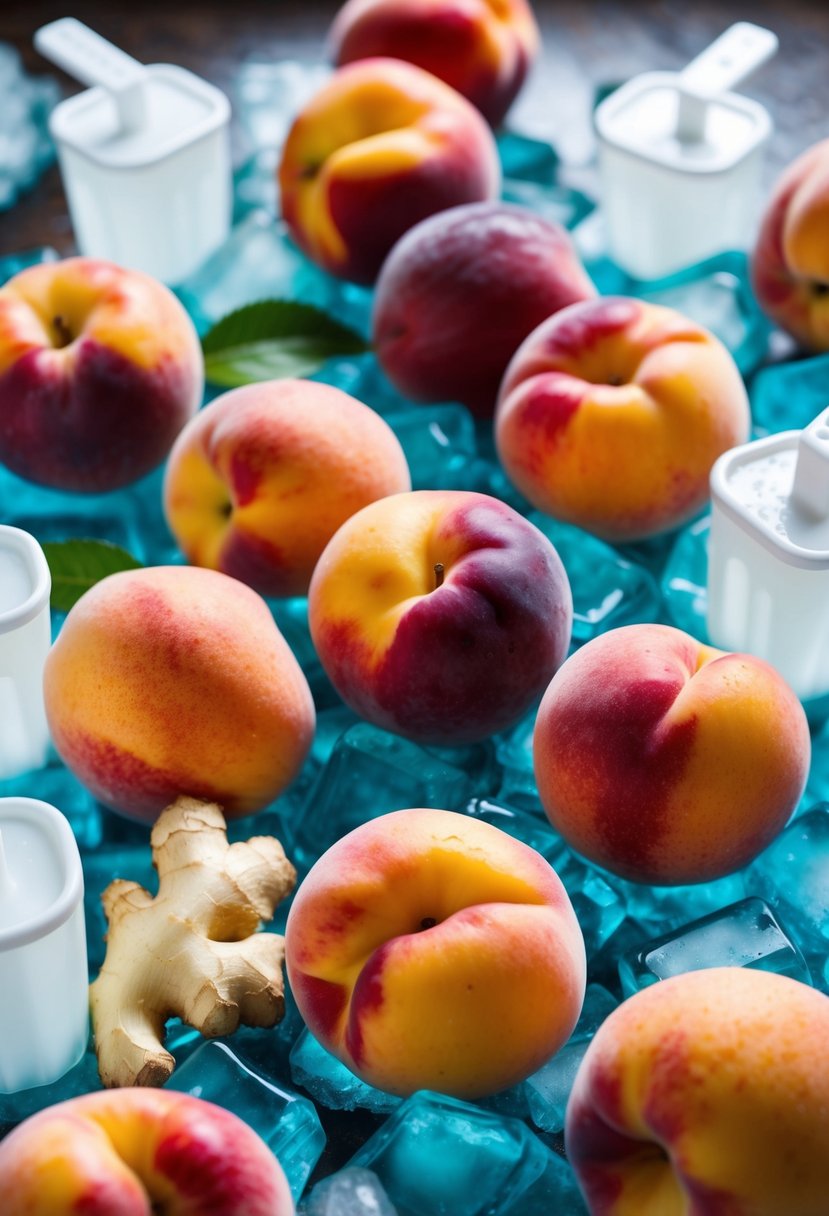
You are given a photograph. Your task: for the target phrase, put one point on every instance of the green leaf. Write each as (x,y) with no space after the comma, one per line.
(76,565)
(273,339)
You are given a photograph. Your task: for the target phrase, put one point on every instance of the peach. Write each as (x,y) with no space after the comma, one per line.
(171,680)
(428,950)
(790,263)
(128,1152)
(460,292)
(706,1095)
(99,370)
(482,48)
(380,147)
(440,615)
(667,761)
(259,481)
(612,413)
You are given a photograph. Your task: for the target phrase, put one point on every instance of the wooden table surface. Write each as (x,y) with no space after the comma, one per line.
(585,44)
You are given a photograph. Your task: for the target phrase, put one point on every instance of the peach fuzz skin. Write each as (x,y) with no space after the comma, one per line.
(667,761)
(706,1095)
(129,1152)
(790,264)
(174,680)
(461,291)
(380,147)
(261,479)
(100,368)
(448,658)
(482,48)
(427,950)
(612,413)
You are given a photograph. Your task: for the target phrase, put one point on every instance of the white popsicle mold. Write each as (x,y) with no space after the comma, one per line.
(25,637)
(768,558)
(144,154)
(680,157)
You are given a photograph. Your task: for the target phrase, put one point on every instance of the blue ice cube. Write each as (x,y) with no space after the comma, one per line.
(793,875)
(438,442)
(685,579)
(599,907)
(287,1122)
(362,377)
(716,293)
(788,396)
(548,1089)
(332,1084)
(746,934)
(608,590)
(559,203)
(369,773)
(663,908)
(259,261)
(437,1156)
(527,158)
(514,749)
(351,1192)
(530,829)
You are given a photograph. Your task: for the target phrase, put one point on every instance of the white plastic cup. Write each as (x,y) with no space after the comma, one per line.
(25,637)
(144,155)
(680,158)
(768,554)
(44,1000)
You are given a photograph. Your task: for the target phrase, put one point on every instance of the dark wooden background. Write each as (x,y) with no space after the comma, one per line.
(586,44)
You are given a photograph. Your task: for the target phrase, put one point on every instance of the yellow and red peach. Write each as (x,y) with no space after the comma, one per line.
(667,761)
(428,950)
(380,147)
(612,413)
(100,368)
(482,48)
(135,1151)
(790,263)
(172,680)
(440,615)
(706,1094)
(259,481)
(460,292)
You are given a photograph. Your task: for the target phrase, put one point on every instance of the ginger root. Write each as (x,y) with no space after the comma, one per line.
(192,951)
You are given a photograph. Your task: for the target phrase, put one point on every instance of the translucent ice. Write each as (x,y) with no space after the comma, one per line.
(369,773)
(331,1083)
(287,1122)
(437,1156)
(351,1192)
(746,934)
(793,875)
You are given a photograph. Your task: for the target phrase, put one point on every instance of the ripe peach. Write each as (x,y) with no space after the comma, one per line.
(428,950)
(667,761)
(99,370)
(134,1151)
(706,1094)
(174,680)
(612,413)
(482,48)
(790,264)
(380,147)
(259,481)
(440,614)
(461,291)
